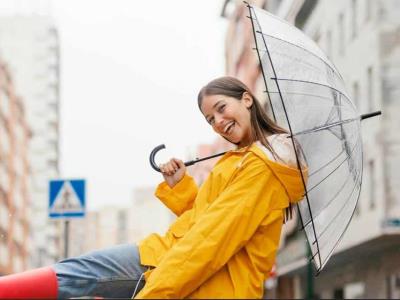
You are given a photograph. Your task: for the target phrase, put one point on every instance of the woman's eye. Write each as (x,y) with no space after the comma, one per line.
(221,108)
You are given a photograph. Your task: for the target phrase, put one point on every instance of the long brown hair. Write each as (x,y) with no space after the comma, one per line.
(261,124)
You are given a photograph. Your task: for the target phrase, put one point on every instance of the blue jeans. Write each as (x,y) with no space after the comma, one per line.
(110,273)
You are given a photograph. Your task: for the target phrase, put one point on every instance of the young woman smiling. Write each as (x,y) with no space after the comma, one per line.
(225,238)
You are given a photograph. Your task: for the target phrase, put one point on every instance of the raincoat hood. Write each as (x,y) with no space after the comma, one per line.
(284,164)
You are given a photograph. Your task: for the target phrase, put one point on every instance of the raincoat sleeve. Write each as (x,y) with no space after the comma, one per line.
(229,222)
(179,198)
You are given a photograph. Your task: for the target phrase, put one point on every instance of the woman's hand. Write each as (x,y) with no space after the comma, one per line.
(173,171)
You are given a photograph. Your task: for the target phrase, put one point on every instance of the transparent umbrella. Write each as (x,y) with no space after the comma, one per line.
(307,96)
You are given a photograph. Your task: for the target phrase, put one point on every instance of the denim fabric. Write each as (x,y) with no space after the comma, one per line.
(110,273)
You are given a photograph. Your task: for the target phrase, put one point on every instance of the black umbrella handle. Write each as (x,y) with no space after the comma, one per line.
(188,163)
(153,154)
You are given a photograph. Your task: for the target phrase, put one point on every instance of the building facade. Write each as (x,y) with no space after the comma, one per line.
(30,46)
(14,178)
(104,227)
(201,170)
(113,225)
(361,38)
(145,209)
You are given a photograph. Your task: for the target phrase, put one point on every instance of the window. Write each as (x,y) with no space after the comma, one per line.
(4,217)
(52,163)
(4,103)
(356,96)
(393,286)
(4,176)
(371,169)
(4,253)
(368,4)
(19,233)
(317,38)
(370,89)
(122,226)
(338,293)
(354,290)
(353,18)
(5,140)
(341,34)
(18,264)
(329,43)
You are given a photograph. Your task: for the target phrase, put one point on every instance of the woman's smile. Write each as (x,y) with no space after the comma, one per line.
(229,128)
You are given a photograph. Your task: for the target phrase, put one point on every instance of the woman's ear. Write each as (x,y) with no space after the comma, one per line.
(247,99)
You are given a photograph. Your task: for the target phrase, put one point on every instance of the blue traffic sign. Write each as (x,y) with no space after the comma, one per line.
(67,198)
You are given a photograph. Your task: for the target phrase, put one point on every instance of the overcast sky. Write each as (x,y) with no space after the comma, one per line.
(130,73)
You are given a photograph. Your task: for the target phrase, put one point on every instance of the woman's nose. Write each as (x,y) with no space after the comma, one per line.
(219,120)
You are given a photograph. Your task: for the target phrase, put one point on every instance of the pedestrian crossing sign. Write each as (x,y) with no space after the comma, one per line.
(67,198)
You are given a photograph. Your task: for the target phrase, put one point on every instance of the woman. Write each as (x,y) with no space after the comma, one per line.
(223,243)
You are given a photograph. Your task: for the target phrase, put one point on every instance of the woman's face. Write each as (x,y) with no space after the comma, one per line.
(229,117)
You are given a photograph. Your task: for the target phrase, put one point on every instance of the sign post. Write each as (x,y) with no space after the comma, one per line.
(67,200)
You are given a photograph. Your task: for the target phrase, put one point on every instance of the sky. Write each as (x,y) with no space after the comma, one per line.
(130,74)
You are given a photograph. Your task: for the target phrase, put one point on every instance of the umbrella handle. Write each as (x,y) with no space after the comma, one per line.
(153,154)
(187,163)
(158,148)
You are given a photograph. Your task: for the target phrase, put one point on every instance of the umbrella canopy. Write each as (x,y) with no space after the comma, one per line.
(307,96)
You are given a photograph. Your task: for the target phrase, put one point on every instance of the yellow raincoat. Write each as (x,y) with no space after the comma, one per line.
(224,241)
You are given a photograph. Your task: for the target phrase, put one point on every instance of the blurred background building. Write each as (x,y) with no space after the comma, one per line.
(14,177)
(201,171)
(112,225)
(29,46)
(104,227)
(361,37)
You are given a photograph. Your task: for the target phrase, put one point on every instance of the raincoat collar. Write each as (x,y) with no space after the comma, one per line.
(290,177)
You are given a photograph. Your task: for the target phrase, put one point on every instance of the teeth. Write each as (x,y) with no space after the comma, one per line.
(228,126)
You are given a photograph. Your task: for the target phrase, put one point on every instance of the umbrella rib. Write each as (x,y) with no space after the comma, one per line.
(338,213)
(326,126)
(298,46)
(333,198)
(328,163)
(299,32)
(304,94)
(345,181)
(360,175)
(347,157)
(290,127)
(347,225)
(311,82)
(259,58)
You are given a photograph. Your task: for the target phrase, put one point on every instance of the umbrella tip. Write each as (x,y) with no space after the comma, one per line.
(370,115)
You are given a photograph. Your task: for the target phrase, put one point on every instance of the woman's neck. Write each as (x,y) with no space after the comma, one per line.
(249,141)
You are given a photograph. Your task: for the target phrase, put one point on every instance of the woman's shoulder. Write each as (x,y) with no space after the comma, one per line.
(283,149)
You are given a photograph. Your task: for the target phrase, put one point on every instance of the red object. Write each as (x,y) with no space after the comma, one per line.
(272,273)
(38,283)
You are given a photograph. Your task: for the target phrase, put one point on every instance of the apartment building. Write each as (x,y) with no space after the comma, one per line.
(14,177)
(30,46)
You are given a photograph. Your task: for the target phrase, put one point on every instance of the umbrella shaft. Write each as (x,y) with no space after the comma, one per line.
(192,162)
